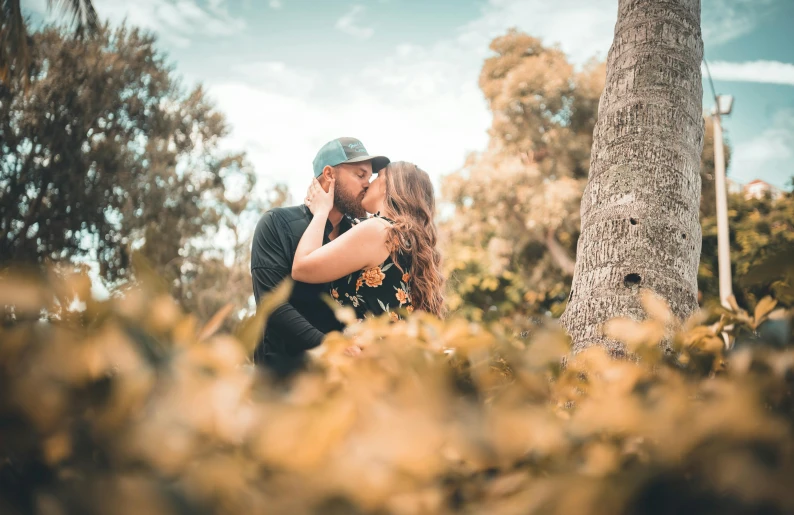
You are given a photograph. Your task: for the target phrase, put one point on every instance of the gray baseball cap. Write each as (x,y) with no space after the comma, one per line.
(346,150)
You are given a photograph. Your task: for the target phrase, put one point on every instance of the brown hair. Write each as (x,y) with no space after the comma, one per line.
(410,202)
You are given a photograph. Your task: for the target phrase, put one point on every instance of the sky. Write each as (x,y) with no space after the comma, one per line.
(401,75)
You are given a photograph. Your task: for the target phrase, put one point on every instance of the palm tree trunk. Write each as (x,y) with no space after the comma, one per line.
(640,226)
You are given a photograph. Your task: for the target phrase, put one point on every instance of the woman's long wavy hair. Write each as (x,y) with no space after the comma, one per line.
(411,204)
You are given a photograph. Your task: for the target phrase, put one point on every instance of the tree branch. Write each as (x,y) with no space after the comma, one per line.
(561,257)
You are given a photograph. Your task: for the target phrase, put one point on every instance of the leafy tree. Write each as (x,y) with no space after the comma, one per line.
(542,107)
(15,44)
(108,154)
(640,208)
(762,243)
(511,241)
(210,278)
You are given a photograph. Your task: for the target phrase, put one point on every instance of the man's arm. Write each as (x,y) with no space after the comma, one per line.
(286,321)
(270,264)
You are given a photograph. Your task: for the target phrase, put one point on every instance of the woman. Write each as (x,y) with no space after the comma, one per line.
(387,263)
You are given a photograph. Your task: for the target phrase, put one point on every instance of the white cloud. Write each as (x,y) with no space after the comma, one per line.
(282,132)
(726,20)
(769,154)
(276,77)
(583,29)
(349,24)
(174,21)
(275,4)
(421,103)
(771,72)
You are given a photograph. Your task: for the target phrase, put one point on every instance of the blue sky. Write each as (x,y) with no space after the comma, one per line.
(402,74)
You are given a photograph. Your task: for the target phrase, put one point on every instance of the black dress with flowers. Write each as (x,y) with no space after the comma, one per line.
(385,288)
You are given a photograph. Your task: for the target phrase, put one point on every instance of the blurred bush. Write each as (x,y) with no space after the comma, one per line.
(127,405)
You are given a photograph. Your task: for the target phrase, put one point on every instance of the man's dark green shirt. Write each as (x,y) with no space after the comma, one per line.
(302,322)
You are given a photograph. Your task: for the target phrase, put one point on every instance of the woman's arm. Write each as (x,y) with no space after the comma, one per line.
(362,246)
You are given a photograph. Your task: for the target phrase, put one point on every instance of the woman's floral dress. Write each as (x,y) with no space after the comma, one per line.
(385,288)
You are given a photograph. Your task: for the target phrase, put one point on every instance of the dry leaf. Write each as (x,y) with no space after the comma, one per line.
(763,308)
(215,322)
(656,307)
(250,330)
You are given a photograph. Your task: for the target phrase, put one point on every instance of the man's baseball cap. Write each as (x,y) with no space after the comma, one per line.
(346,150)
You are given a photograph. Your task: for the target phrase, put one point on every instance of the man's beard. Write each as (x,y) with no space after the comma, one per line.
(348,204)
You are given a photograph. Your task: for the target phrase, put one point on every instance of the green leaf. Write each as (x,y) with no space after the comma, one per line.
(774,266)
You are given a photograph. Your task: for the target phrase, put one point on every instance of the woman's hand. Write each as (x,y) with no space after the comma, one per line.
(318,200)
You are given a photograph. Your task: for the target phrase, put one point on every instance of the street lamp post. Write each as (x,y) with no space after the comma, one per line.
(723,107)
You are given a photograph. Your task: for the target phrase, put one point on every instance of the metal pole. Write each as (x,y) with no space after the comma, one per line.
(723,233)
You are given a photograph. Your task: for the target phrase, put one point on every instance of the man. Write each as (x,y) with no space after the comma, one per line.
(302,322)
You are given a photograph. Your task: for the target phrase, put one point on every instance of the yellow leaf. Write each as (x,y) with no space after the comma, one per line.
(696,334)
(346,315)
(164,314)
(656,307)
(184,332)
(57,447)
(634,334)
(215,322)
(250,331)
(23,292)
(600,459)
(300,438)
(763,308)
(147,275)
(732,303)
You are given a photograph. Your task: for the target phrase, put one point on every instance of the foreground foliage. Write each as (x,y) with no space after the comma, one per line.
(127,406)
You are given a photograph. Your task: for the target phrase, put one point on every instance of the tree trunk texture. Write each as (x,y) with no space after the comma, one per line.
(640,226)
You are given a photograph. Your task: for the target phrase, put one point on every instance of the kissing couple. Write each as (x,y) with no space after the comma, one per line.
(385,264)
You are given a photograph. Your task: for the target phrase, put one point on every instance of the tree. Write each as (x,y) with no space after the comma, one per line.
(512,239)
(639,210)
(209,277)
(762,243)
(107,154)
(15,44)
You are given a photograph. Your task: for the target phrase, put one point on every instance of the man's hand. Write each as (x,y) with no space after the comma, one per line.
(318,200)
